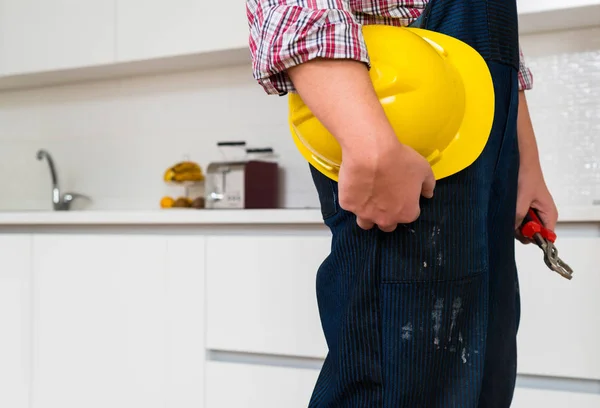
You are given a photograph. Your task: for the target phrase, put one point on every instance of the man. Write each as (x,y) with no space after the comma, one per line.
(419,297)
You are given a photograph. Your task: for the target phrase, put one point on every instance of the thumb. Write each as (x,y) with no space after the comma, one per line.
(428,185)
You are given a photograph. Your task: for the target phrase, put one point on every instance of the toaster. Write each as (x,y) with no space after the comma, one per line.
(243,184)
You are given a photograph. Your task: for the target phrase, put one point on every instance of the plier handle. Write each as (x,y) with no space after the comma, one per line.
(533,228)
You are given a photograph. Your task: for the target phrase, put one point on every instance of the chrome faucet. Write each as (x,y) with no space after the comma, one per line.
(60,202)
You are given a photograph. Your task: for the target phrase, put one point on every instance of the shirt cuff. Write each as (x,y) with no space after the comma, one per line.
(291,35)
(525,76)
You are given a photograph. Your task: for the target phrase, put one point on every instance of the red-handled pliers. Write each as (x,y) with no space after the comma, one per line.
(533,228)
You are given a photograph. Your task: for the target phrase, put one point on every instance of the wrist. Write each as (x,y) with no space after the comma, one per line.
(368,144)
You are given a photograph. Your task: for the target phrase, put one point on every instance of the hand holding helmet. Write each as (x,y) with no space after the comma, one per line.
(428,99)
(381,182)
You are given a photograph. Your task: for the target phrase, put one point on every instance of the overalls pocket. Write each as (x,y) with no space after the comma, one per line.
(432,337)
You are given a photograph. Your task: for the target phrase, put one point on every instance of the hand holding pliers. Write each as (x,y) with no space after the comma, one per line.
(533,228)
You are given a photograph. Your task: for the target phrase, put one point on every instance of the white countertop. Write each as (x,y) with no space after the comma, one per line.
(163,217)
(211,217)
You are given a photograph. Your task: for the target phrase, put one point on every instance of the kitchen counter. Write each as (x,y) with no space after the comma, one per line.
(192,303)
(213,217)
(164,217)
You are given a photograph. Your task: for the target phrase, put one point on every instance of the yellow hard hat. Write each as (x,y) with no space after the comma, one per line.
(436,91)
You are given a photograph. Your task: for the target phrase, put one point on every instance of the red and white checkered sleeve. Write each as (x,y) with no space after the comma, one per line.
(525,75)
(286,33)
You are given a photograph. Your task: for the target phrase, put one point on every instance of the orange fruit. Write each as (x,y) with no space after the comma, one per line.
(182,202)
(167,202)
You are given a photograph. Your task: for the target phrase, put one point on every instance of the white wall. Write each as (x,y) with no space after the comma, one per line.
(113,139)
(565,109)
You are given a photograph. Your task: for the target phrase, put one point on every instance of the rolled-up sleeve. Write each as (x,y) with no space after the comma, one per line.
(286,33)
(525,75)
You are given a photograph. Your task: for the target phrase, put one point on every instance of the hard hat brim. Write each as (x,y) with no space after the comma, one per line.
(478,118)
(474,131)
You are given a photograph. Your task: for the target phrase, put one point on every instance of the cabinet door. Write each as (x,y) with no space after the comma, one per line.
(15,320)
(45,35)
(161,28)
(560,329)
(230,385)
(537,6)
(261,294)
(118,321)
(530,398)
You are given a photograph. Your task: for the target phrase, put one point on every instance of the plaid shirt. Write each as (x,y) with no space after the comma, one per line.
(285,33)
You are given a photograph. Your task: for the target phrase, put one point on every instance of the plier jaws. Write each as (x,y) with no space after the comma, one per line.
(533,228)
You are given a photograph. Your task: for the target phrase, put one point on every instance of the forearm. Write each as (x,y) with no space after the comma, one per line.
(528,149)
(340,94)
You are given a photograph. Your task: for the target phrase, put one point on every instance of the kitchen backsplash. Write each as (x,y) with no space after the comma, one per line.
(565,109)
(113,140)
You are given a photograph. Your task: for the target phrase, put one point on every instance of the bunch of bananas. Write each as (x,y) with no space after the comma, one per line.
(184,171)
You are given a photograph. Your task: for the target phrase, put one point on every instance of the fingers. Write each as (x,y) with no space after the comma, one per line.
(364,224)
(521,238)
(388,224)
(387,221)
(388,228)
(549,218)
(520,216)
(367,225)
(428,185)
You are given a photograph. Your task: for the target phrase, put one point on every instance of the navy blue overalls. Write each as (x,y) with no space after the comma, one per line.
(427,316)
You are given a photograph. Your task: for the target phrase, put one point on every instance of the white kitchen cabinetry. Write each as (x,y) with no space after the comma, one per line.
(532,6)
(534,398)
(46,35)
(108,310)
(118,321)
(275,387)
(15,320)
(149,29)
(51,42)
(560,328)
(261,294)
(231,385)
(551,15)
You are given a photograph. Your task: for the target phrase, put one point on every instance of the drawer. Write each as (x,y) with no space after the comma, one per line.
(261,294)
(533,398)
(232,385)
(262,386)
(560,329)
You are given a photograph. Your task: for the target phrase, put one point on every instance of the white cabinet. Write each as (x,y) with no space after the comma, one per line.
(231,385)
(533,398)
(15,320)
(118,321)
(533,6)
(161,28)
(551,15)
(44,35)
(261,294)
(560,329)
